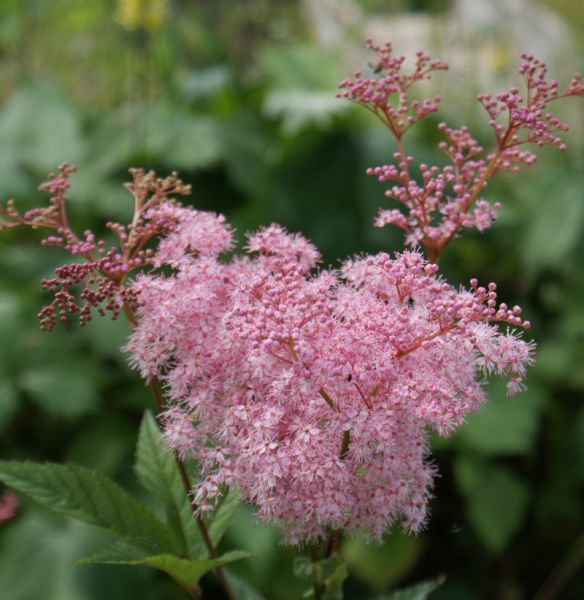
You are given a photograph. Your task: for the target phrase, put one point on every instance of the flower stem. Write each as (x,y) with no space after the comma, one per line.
(154,385)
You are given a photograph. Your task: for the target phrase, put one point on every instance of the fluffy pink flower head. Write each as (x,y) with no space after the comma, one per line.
(313,393)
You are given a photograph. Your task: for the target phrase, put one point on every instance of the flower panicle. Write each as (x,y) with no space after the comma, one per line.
(441,201)
(99,270)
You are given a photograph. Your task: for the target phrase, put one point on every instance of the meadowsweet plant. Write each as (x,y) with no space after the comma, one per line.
(308,392)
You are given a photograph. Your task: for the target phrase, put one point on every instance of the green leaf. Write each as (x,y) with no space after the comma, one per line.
(116,553)
(505,425)
(222,515)
(419,591)
(496,501)
(382,565)
(92,498)
(157,471)
(329,573)
(559,223)
(60,390)
(241,588)
(44,543)
(186,572)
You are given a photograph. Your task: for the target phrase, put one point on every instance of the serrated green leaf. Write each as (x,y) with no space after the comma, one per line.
(186,572)
(157,471)
(118,552)
(419,591)
(496,501)
(91,498)
(222,515)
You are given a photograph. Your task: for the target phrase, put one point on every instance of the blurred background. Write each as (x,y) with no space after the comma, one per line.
(239,96)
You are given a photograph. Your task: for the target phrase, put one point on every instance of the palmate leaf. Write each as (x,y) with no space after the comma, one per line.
(157,471)
(93,499)
(185,572)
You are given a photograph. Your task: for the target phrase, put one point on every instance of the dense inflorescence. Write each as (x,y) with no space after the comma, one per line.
(313,393)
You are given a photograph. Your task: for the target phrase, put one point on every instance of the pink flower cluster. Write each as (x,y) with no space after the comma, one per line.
(313,392)
(446,199)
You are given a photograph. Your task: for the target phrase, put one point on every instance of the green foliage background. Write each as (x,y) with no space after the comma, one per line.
(239,97)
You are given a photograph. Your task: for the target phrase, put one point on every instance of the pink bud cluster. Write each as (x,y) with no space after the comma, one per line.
(377,93)
(101,273)
(444,200)
(313,392)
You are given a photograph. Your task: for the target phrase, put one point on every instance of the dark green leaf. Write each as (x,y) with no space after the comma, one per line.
(496,501)
(419,591)
(241,588)
(92,498)
(157,471)
(329,573)
(382,565)
(222,515)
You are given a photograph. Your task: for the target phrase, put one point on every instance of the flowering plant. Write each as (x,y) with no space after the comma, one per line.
(307,392)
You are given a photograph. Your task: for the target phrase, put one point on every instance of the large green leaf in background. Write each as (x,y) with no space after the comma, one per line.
(496,500)
(381,565)
(505,425)
(41,128)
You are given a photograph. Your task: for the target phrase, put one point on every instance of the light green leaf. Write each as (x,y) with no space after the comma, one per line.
(157,471)
(195,144)
(41,128)
(419,591)
(382,565)
(186,572)
(60,390)
(44,543)
(558,222)
(92,498)
(299,109)
(222,515)
(496,501)
(506,425)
